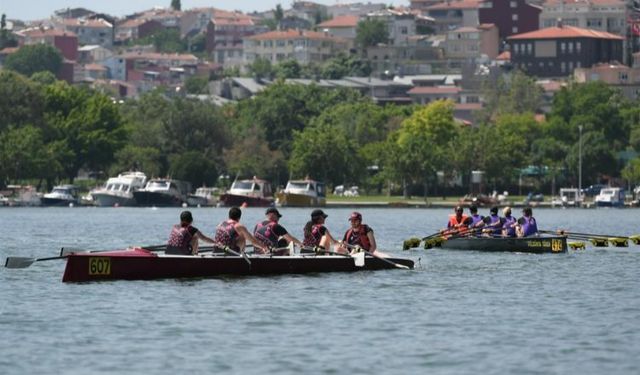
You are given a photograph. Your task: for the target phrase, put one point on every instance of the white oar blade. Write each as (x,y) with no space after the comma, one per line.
(19,262)
(358,259)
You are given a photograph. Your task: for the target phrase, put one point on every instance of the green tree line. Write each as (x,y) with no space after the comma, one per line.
(50,130)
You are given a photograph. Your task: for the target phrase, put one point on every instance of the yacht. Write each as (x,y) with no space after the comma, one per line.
(610,197)
(204,196)
(163,192)
(62,195)
(302,193)
(248,193)
(118,191)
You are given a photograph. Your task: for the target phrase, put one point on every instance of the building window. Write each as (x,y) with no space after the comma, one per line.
(404,30)
(514,17)
(514,30)
(578,64)
(550,64)
(570,45)
(513,4)
(578,47)
(563,67)
(570,66)
(515,49)
(530,48)
(563,47)
(622,76)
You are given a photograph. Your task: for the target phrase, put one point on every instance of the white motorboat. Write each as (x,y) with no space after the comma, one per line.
(62,195)
(610,197)
(118,191)
(204,196)
(163,192)
(302,193)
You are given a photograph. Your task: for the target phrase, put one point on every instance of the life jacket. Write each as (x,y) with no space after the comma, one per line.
(475,219)
(453,221)
(180,238)
(529,227)
(456,227)
(358,237)
(226,234)
(496,228)
(510,230)
(313,238)
(264,233)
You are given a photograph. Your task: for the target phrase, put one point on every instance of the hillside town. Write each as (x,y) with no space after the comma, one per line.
(431,49)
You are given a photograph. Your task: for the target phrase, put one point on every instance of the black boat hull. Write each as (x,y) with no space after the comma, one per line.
(151,198)
(536,245)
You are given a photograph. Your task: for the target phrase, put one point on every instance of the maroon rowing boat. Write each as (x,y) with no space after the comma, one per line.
(141,264)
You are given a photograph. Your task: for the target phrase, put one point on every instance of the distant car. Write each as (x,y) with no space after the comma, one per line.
(593,190)
(537,197)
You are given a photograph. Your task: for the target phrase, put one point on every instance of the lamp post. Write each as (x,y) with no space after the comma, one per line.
(580,163)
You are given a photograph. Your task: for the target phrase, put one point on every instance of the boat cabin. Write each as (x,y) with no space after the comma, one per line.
(251,188)
(610,197)
(306,187)
(569,197)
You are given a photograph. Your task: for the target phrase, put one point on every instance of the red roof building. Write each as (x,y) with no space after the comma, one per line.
(557,51)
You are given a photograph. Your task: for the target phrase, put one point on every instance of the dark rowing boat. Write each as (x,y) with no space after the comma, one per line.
(141,264)
(538,245)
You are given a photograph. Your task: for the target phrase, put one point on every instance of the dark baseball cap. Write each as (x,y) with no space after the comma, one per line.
(273,210)
(317,213)
(355,216)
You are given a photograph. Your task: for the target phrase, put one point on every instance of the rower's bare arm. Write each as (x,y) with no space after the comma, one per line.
(205,238)
(372,240)
(290,238)
(247,235)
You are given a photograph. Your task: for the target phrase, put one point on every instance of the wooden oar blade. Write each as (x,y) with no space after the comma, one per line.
(19,262)
(358,259)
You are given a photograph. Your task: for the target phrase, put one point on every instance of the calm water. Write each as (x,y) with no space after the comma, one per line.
(457,313)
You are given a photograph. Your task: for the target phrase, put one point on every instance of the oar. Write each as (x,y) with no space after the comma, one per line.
(24,262)
(358,248)
(358,260)
(414,242)
(242,254)
(598,240)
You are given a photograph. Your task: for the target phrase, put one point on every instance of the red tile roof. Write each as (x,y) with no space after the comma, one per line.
(462,4)
(292,34)
(504,56)
(565,32)
(344,21)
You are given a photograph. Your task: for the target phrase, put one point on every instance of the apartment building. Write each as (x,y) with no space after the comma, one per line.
(557,51)
(136,28)
(624,78)
(88,31)
(341,26)
(602,15)
(449,15)
(300,45)
(401,24)
(470,43)
(510,16)
(225,34)
(354,9)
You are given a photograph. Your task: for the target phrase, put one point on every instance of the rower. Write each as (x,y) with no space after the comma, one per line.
(526,225)
(476,220)
(359,235)
(183,239)
(509,223)
(230,233)
(458,223)
(316,235)
(492,223)
(273,235)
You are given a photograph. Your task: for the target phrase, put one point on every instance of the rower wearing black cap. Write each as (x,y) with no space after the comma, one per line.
(272,234)
(316,235)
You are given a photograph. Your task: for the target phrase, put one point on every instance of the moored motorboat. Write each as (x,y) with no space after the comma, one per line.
(118,191)
(161,192)
(251,193)
(62,195)
(142,264)
(610,197)
(203,197)
(555,244)
(302,193)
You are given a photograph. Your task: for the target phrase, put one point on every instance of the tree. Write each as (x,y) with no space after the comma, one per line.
(370,32)
(196,85)
(22,154)
(261,68)
(631,172)
(194,167)
(21,101)
(133,157)
(288,69)
(250,156)
(343,65)
(424,142)
(278,14)
(175,5)
(87,123)
(511,94)
(34,58)
(6,39)
(324,152)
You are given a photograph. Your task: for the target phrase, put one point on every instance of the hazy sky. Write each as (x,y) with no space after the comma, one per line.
(38,9)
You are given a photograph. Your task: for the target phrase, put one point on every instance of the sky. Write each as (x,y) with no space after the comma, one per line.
(38,9)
